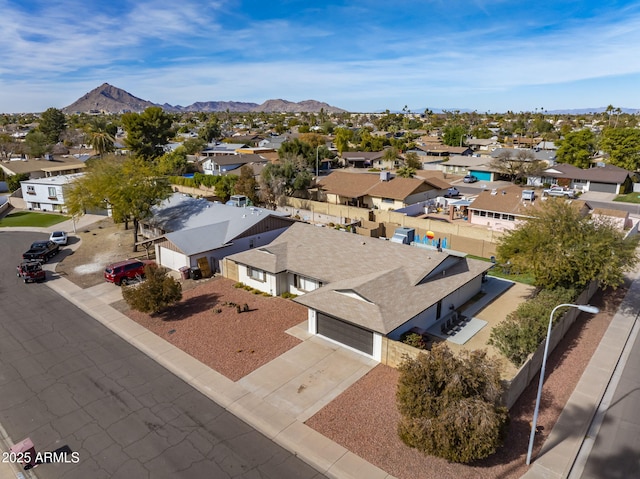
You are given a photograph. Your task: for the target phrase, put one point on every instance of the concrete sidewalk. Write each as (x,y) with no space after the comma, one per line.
(560,450)
(269,399)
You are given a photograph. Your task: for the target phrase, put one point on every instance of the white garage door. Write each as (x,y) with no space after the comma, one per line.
(172,259)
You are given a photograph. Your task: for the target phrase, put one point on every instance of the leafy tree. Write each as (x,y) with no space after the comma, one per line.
(453,135)
(131,188)
(282,179)
(193,145)
(172,163)
(562,247)
(481,131)
(450,404)
(147,132)
(36,143)
(342,138)
(156,293)
(52,124)
(623,147)
(211,131)
(516,164)
(13,181)
(247,184)
(577,148)
(411,160)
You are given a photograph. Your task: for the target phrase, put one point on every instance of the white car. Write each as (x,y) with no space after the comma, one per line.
(59,237)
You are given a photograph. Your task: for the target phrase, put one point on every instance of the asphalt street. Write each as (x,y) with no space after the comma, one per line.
(65,380)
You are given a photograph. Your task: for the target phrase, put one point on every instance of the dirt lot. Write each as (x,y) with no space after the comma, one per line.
(101,243)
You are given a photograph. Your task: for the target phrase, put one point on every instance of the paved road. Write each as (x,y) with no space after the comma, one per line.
(615,453)
(65,380)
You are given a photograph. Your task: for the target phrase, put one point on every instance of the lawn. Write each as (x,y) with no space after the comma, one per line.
(628,198)
(28,218)
(501,271)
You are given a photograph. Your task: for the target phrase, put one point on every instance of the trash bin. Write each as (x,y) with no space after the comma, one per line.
(184,272)
(196,273)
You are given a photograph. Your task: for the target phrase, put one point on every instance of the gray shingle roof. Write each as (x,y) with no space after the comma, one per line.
(396,281)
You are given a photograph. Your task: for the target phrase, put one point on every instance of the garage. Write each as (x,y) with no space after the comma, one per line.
(345,333)
(603,187)
(171,259)
(482,175)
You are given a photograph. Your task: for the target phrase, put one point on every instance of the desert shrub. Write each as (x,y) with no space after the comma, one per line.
(450,405)
(520,334)
(156,293)
(288,295)
(239,285)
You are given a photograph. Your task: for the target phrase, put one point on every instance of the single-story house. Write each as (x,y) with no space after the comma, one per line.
(214,149)
(478,166)
(185,229)
(378,190)
(42,168)
(360,159)
(502,209)
(223,164)
(360,291)
(46,194)
(604,178)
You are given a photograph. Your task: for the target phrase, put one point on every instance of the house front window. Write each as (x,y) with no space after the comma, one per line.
(256,274)
(387,200)
(31,190)
(303,283)
(53,195)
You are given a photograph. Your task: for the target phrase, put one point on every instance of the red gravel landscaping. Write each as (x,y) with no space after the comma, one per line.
(232,343)
(364,418)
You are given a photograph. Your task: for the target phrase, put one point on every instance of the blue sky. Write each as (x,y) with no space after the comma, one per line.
(363,56)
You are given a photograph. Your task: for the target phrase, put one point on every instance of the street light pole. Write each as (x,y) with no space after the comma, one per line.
(317,149)
(587,308)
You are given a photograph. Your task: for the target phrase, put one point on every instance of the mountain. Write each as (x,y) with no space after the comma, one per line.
(107,98)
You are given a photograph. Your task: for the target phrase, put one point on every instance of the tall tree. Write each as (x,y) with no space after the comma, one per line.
(247,184)
(101,136)
(412,160)
(577,148)
(147,132)
(36,143)
(563,247)
(454,135)
(623,147)
(52,123)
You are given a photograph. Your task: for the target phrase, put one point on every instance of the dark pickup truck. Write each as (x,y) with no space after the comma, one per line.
(41,251)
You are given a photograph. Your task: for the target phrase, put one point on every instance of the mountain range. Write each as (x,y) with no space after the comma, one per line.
(110,99)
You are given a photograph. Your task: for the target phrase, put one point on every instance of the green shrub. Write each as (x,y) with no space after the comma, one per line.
(156,293)
(413,339)
(520,334)
(288,295)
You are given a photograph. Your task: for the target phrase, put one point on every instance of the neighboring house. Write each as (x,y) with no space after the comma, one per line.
(548,156)
(360,159)
(360,292)
(216,149)
(619,218)
(46,194)
(378,190)
(482,144)
(185,229)
(224,164)
(478,166)
(42,168)
(273,142)
(440,150)
(606,178)
(502,209)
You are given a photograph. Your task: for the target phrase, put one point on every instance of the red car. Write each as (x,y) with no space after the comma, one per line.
(125,272)
(31,271)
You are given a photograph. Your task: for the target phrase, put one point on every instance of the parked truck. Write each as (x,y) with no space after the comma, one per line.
(41,251)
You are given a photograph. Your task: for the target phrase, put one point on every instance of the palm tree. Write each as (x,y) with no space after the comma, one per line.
(100,139)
